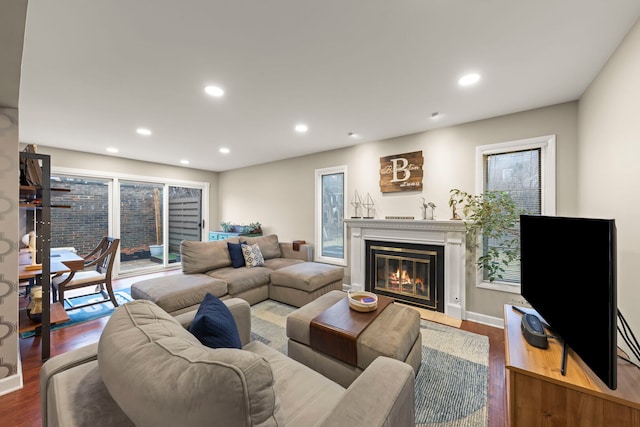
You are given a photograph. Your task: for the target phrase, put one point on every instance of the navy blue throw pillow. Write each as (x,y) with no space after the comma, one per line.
(214,326)
(235,252)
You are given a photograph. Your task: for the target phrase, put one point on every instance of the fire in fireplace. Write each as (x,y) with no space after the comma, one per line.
(407,272)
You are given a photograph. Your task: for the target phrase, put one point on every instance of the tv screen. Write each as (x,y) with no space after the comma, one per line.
(568,275)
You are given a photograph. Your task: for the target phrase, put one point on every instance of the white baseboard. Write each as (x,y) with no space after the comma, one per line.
(485,320)
(12,383)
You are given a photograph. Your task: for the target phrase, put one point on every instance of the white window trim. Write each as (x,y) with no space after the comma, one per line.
(547,144)
(319,173)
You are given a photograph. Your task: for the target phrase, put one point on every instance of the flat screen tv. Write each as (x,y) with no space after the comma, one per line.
(568,275)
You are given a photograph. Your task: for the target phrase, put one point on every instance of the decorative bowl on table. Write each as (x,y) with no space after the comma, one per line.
(362,301)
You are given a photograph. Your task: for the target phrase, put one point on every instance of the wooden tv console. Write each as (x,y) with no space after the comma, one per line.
(539,395)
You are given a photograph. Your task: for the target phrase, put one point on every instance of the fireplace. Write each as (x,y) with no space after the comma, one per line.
(410,273)
(445,237)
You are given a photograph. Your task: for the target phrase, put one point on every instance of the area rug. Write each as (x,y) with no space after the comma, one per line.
(451,385)
(91,312)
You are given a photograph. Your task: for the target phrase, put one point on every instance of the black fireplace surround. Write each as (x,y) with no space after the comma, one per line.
(408,272)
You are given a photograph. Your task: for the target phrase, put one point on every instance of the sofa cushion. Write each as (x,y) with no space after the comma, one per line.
(214,326)
(242,279)
(269,245)
(235,252)
(307,276)
(159,374)
(200,257)
(305,395)
(176,292)
(252,255)
(276,263)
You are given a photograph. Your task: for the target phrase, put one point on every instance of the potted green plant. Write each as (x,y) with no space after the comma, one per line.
(253,228)
(491,218)
(226,226)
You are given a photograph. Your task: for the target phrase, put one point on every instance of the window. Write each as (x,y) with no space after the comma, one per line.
(526,170)
(329,224)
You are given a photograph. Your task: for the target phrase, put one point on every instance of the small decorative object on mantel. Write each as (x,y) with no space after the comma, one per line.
(401,172)
(368,203)
(427,209)
(398,217)
(357,204)
(454,213)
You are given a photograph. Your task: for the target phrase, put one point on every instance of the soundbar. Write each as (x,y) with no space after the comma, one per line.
(533,331)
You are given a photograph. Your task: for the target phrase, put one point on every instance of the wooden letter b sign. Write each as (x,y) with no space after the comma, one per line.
(401,172)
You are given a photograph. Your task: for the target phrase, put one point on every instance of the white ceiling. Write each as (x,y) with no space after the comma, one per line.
(94,71)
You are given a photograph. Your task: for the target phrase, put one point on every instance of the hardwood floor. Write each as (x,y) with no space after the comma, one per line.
(22,408)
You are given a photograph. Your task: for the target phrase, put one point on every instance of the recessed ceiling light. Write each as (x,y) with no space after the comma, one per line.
(184,162)
(469,79)
(225,150)
(214,91)
(112,150)
(143,131)
(301,128)
(353,135)
(435,115)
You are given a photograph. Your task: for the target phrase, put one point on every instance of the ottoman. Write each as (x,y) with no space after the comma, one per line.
(178,293)
(395,333)
(299,284)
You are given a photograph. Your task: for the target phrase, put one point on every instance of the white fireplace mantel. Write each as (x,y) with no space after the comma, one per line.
(448,233)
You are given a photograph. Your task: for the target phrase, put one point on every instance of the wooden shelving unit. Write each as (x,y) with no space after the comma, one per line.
(26,190)
(57,315)
(37,200)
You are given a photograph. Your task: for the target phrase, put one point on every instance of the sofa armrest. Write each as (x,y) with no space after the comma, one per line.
(383,395)
(61,363)
(240,310)
(305,253)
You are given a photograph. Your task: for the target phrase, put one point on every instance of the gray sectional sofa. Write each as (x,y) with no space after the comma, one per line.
(149,370)
(207,268)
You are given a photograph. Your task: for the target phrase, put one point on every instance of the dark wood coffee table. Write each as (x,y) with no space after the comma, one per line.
(335,331)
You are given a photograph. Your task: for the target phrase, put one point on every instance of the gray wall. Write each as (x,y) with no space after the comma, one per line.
(12,21)
(281,194)
(608,165)
(10,378)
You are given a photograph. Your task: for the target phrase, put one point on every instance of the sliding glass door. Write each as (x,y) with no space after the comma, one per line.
(150,217)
